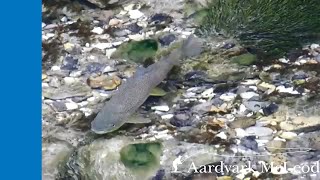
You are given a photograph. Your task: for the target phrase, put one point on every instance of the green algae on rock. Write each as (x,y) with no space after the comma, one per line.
(141,157)
(270,28)
(245,59)
(137,51)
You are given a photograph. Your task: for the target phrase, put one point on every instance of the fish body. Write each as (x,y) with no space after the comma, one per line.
(134,92)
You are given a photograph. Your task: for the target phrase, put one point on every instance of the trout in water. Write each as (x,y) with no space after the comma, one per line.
(134,92)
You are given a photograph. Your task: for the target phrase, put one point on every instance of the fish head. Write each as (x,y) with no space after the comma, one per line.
(105,123)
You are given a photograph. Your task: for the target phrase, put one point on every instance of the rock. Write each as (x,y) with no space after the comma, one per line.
(94,67)
(59,106)
(109,53)
(181,120)
(163,108)
(228,97)
(134,28)
(69,63)
(248,95)
(54,157)
(270,109)
(249,142)
(102,158)
(301,124)
(228,45)
(97,30)
(54,82)
(269,88)
(245,59)
(160,18)
(104,82)
(114,22)
(254,106)
(276,146)
(69,80)
(242,123)
(135,14)
(71,106)
(66,91)
(108,159)
(43,76)
(288,135)
(259,131)
(167,39)
(208,93)
(102,46)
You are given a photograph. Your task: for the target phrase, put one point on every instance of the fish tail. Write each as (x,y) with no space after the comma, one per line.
(191,47)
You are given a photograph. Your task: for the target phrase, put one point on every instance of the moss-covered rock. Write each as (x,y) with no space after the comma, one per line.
(245,59)
(137,51)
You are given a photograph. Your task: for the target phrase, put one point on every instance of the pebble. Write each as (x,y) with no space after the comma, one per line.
(163,108)
(167,116)
(222,135)
(283,89)
(55,68)
(97,30)
(135,14)
(248,95)
(288,135)
(104,82)
(59,106)
(167,39)
(54,82)
(272,108)
(136,37)
(134,28)
(249,142)
(114,22)
(75,74)
(254,106)
(109,52)
(208,93)
(259,131)
(314,46)
(228,45)
(240,133)
(269,88)
(69,80)
(69,63)
(72,106)
(102,46)
(94,67)
(160,18)
(228,97)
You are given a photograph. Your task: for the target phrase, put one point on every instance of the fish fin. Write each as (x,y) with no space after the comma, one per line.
(138,119)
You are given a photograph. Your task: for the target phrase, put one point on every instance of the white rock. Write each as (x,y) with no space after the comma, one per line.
(288,135)
(289,90)
(102,46)
(135,14)
(43,24)
(222,135)
(114,22)
(240,133)
(166,116)
(251,82)
(248,95)
(117,43)
(314,46)
(208,93)
(72,106)
(259,131)
(69,80)
(64,19)
(44,85)
(228,97)
(283,60)
(97,30)
(186,33)
(109,52)
(86,111)
(128,7)
(83,103)
(55,68)
(163,108)
(48,36)
(136,37)
(75,74)
(122,12)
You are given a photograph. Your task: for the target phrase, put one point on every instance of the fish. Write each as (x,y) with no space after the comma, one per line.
(123,105)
